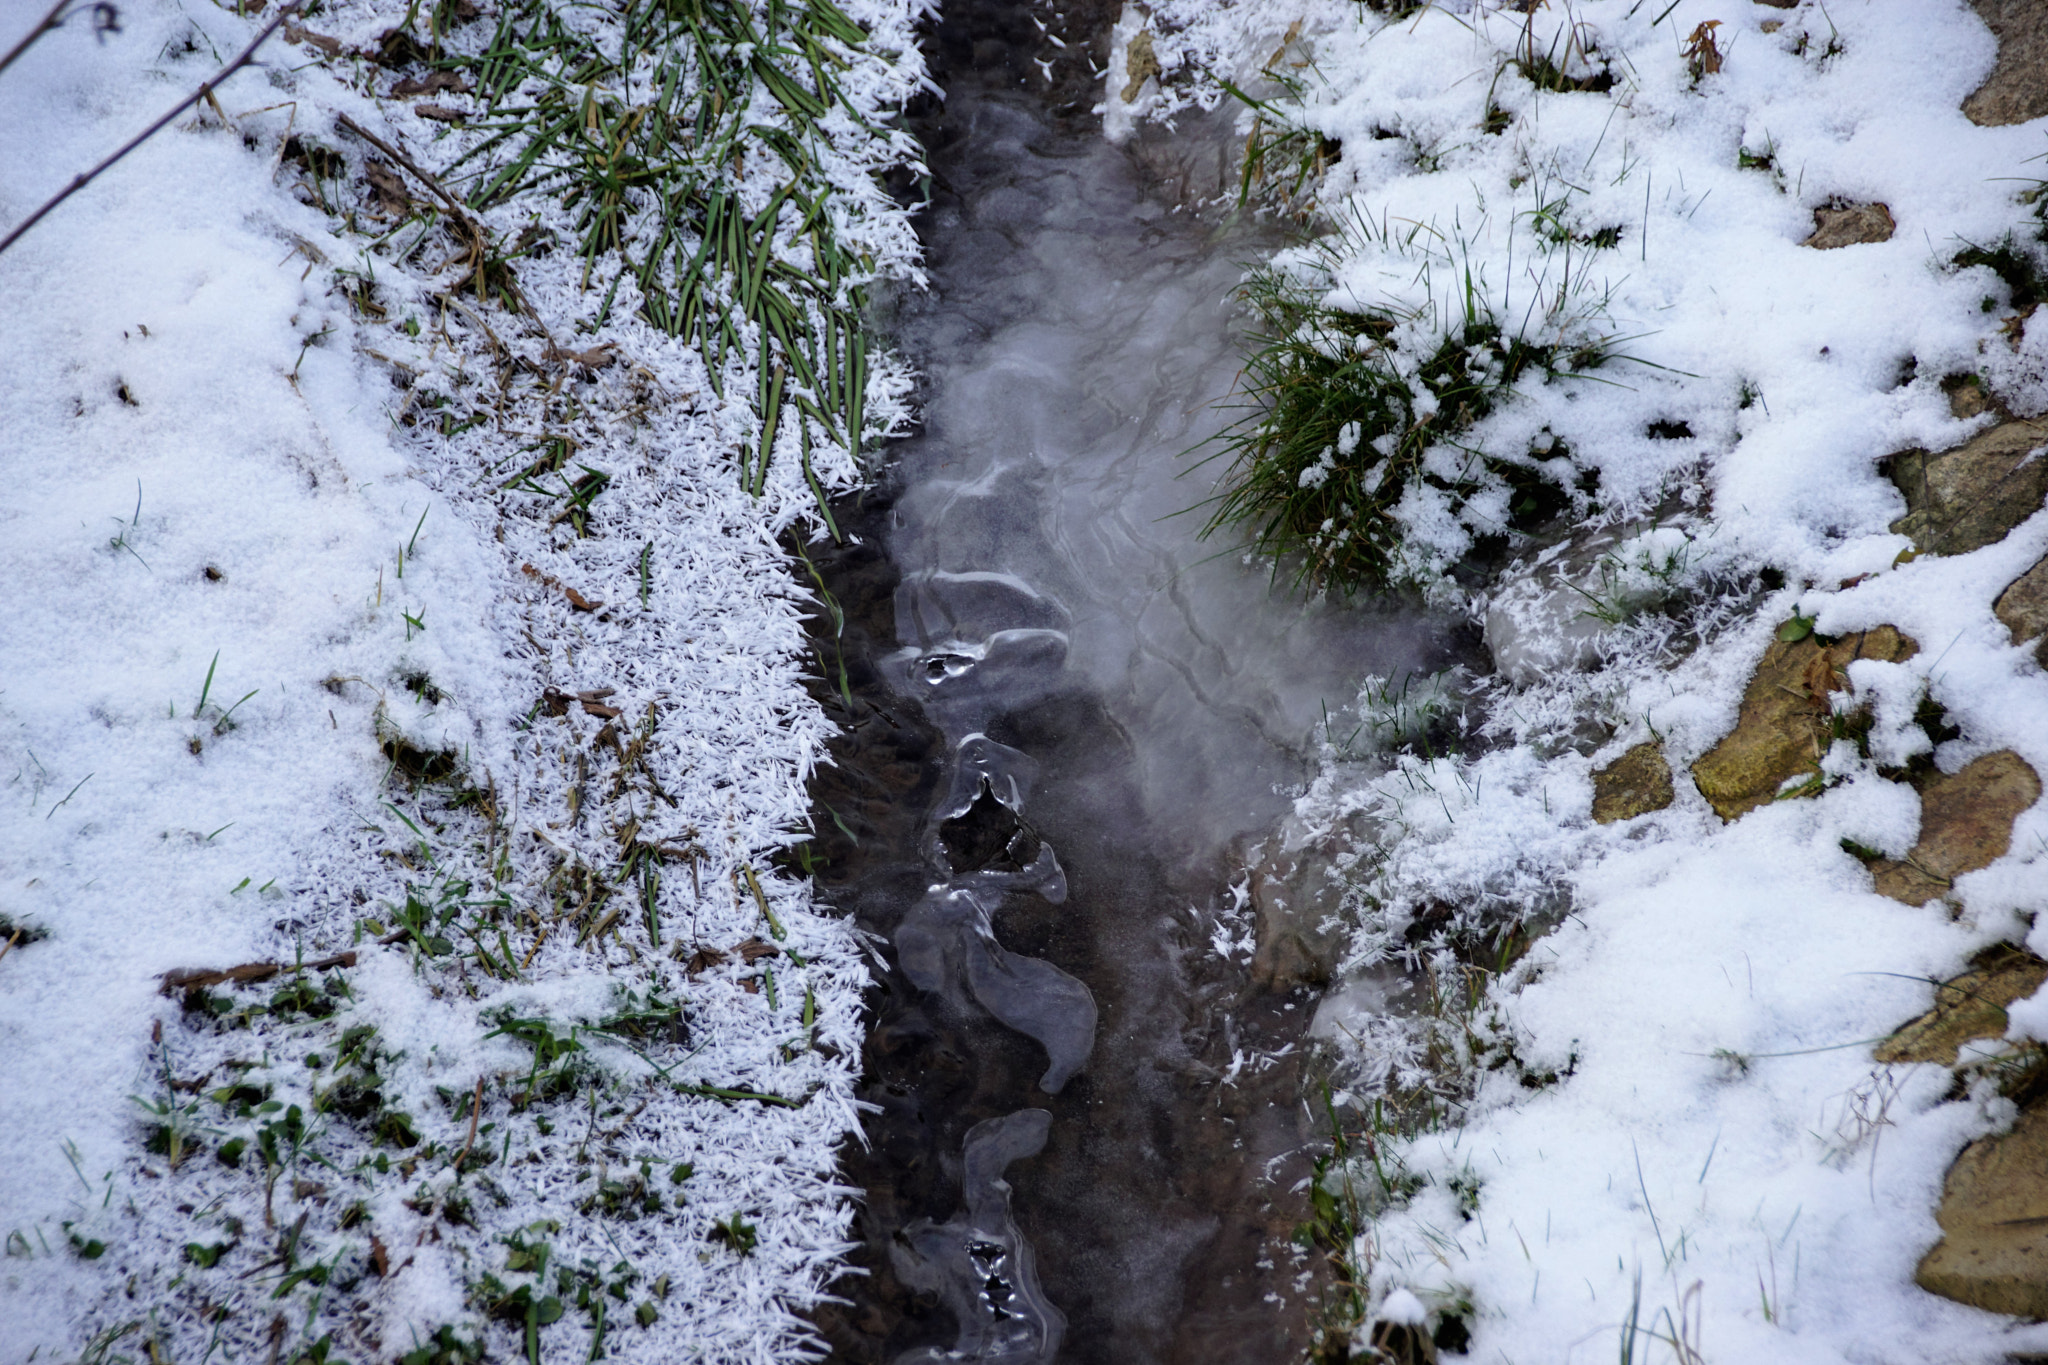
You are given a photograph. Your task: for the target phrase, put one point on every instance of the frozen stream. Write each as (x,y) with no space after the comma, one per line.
(1070,717)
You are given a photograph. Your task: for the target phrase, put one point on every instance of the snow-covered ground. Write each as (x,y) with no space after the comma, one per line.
(285,535)
(269,563)
(1683,1147)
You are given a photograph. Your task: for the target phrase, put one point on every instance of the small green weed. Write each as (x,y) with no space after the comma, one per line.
(626,1197)
(561,1059)
(558,1060)
(210,712)
(737,1233)
(122,540)
(1283,157)
(1570,63)
(2019,268)
(446,1345)
(175,1130)
(1409,716)
(1638,576)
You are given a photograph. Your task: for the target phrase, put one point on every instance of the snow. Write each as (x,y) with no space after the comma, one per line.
(1704,1163)
(211,483)
(219,487)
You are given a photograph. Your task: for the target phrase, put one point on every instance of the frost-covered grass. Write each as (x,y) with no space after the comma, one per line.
(1630,1104)
(398,457)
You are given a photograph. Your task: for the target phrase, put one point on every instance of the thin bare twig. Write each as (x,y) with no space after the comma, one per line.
(53,19)
(205,91)
(11,942)
(454,205)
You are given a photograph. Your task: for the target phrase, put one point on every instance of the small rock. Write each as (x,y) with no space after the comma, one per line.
(1140,64)
(1781,731)
(2016,91)
(1963,499)
(2024,609)
(1293,893)
(1965,823)
(1994,1218)
(1840,225)
(1635,784)
(1550,614)
(1966,1008)
(1967,396)
(1402,1343)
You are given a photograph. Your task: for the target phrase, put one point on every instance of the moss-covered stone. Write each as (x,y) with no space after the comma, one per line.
(1781,731)
(2023,607)
(1994,1221)
(1635,784)
(1965,823)
(2016,91)
(1963,499)
(1967,1007)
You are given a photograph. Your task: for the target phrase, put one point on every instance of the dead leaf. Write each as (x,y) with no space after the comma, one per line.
(2015,327)
(1140,64)
(594,705)
(380,1256)
(576,600)
(1702,54)
(704,958)
(596,358)
(1286,41)
(294,34)
(431,84)
(555,701)
(397,47)
(1820,678)
(387,188)
(754,949)
(439,113)
(198,978)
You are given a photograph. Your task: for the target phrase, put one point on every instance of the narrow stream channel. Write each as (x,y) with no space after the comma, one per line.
(1066,721)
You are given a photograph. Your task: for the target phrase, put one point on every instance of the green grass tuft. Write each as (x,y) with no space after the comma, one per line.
(656,186)
(1347,411)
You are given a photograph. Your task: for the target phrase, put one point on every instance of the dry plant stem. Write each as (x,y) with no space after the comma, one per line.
(454,205)
(205,91)
(469,227)
(10,943)
(476,1107)
(51,20)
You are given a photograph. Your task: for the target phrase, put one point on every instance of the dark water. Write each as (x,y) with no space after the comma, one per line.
(1068,719)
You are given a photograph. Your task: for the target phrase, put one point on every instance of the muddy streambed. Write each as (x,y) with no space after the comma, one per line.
(1066,721)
